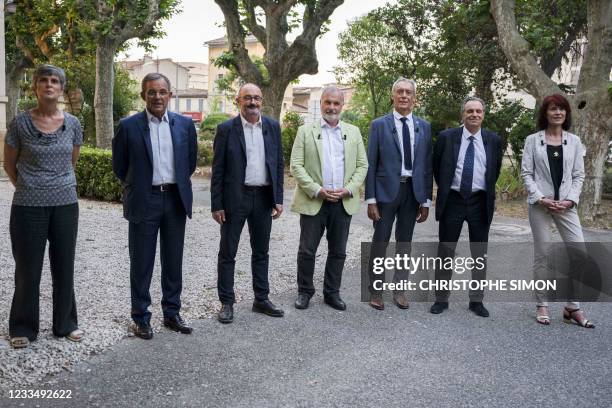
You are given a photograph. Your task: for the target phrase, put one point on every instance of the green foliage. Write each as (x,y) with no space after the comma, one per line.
(291,122)
(208,127)
(27,104)
(232,78)
(205,153)
(360,120)
(510,184)
(95,177)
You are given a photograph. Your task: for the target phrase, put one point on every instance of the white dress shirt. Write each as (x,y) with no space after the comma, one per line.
(163,152)
(480,162)
(333,156)
(256,174)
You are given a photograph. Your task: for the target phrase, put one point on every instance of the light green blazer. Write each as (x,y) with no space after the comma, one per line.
(306,167)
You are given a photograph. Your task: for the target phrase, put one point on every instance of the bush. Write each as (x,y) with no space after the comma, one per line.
(607,181)
(288,137)
(208,127)
(291,122)
(95,177)
(510,184)
(205,153)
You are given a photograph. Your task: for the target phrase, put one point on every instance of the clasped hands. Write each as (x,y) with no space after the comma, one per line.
(556,206)
(333,195)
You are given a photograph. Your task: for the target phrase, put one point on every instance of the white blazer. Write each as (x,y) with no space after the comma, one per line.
(535,168)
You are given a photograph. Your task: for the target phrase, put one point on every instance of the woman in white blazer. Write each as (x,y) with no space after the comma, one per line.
(553,173)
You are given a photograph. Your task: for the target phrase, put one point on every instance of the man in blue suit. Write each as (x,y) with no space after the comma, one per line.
(467,161)
(399,182)
(246,186)
(154,156)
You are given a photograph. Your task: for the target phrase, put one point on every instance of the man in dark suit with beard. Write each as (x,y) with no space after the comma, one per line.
(246,186)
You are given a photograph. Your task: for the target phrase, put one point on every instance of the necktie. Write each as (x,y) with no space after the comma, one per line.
(406,144)
(468,170)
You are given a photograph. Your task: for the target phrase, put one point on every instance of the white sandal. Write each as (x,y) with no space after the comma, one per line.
(76,335)
(19,342)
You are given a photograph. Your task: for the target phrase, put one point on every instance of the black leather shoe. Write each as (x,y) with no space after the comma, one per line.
(266,307)
(226,314)
(177,324)
(479,309)
(302,301)
(144,330)
(335,302)
(438,307)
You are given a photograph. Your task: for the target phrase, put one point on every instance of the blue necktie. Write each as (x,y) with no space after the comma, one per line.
(468,170)
(406,143)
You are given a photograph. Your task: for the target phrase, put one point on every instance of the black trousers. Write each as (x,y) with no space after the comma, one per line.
(30,229)
(333,218)
(402,211)
(166,216)
(256,210)
(474,211)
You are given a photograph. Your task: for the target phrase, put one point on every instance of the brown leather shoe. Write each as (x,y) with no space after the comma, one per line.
(377,303)
(401,300)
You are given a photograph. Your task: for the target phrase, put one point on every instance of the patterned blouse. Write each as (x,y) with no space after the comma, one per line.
(45,176)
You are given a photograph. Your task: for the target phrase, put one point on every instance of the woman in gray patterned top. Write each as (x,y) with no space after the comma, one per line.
(41,149)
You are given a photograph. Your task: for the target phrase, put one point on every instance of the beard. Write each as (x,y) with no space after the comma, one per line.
(330,117)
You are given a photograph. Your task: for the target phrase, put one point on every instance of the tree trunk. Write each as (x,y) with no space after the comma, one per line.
(273,95)
(13,79)
(74,101)
(591,106)
(103,98)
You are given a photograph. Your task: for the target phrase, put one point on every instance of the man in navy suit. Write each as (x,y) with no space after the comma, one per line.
(246,186)
(154,156)
(399,181)
(467,162)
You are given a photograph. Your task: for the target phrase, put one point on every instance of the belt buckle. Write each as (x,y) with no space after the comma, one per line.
(163,187)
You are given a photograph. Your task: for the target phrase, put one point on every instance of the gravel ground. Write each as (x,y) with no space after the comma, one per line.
(102,283)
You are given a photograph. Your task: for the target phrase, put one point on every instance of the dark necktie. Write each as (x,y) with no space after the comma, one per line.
(468,170)
(406,143)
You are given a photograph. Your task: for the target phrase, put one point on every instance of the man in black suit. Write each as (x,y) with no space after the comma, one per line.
(154,156)
(246,186)
(466,164)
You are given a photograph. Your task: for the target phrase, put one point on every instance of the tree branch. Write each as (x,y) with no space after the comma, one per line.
(251,21)
(129,31)
(517,51)
(235,37)
(550,64)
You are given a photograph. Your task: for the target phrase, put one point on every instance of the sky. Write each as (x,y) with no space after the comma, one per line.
(200,21)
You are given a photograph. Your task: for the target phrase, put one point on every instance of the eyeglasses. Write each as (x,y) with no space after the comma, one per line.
(250,98)
(152,94)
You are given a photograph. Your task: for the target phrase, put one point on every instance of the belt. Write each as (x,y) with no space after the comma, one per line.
(255,188)
(165,187)
(405,179)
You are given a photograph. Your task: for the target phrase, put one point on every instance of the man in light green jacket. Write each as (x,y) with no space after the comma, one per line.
(329,163)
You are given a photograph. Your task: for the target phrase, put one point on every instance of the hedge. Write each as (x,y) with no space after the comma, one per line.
(95,177)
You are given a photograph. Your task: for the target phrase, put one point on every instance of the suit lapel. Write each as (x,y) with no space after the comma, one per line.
(266,134)
(239,132)
(317,138)
(456,144)
(488,148)
(174,136)
(145,132)
(542,154)
(391,125)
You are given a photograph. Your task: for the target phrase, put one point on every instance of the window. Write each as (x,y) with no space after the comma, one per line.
(188,104)
(200,105)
